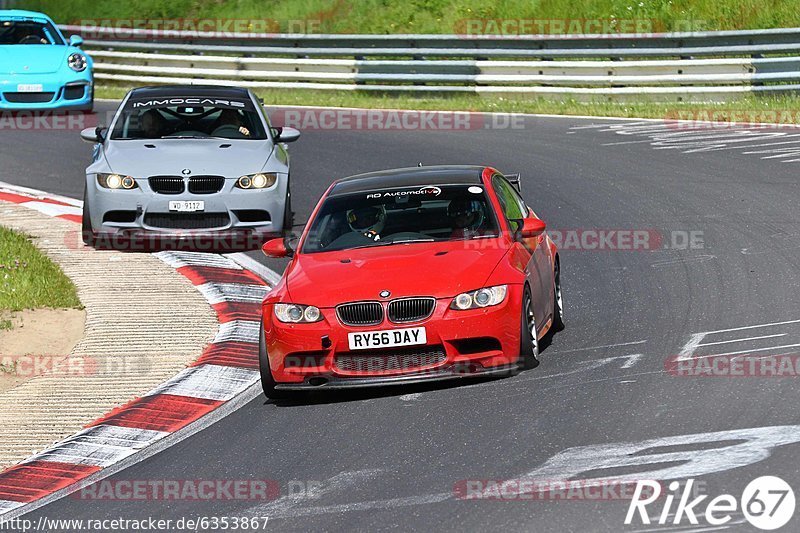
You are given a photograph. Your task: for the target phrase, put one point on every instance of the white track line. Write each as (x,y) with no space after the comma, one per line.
(200,259)
(232,292)
(752,327)
(53,210)
(745,339)
(170,440)
(100,446)
(602,346)
(210,382)
(248,263)
(34,193)
(748,351)
(7,505)
(115,447)
(238,330)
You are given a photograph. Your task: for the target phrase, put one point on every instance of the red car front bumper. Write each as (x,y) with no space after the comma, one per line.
(459,344)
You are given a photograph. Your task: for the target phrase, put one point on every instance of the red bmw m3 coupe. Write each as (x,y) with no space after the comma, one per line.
(411,275)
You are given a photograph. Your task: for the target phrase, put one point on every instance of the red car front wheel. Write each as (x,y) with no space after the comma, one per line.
(528,336)
(558,299)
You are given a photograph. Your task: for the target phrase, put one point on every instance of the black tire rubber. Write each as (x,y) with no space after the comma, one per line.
(528,343)
(558,302)
(267,381)
(88,235)
(288,215)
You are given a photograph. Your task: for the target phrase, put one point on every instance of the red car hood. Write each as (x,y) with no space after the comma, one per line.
(441,270)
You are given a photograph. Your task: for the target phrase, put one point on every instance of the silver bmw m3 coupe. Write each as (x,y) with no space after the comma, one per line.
(188,162)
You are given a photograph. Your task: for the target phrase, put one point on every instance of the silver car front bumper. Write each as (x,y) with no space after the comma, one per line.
(144,210)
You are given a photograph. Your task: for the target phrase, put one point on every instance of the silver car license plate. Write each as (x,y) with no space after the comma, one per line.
(187,206)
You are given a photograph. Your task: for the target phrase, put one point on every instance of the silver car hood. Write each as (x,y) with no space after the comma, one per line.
(219,157)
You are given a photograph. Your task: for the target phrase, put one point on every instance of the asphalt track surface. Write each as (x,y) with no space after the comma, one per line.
(390,459)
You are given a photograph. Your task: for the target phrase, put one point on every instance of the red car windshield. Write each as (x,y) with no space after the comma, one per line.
(416,214)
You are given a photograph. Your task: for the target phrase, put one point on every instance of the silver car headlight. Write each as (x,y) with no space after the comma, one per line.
(116,181)
(262,180)
(485,297)
(77,62)
(294,313)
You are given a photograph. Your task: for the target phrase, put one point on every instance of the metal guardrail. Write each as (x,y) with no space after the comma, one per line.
(677,66)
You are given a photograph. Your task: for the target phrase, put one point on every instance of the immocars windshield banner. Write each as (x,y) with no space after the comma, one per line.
(201,101)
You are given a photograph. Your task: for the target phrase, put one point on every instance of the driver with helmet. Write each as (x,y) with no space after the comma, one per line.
(369,220)
(466,217)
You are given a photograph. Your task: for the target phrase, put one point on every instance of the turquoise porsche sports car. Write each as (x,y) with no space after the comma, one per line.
(39,68)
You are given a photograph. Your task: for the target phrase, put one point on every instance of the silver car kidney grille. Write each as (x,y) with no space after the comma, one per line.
(166,184)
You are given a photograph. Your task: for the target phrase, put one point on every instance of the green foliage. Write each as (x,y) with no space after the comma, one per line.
(29,279)
(436,16)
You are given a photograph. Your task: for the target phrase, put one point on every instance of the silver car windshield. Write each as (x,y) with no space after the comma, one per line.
(28,32)
(188,122)
(416,214)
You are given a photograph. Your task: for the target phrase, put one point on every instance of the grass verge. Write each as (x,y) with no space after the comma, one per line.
(28,279)
(437,16)
(772,109)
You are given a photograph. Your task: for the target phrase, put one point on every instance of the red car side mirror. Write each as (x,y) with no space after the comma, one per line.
(275,248)
(532,227)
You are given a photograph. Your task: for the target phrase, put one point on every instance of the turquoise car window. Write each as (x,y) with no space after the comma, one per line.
(24,31)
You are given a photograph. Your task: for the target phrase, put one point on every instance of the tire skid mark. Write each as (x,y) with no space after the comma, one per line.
(691,137)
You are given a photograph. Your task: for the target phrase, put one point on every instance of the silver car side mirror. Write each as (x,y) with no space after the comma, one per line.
(287,135)
(93,135)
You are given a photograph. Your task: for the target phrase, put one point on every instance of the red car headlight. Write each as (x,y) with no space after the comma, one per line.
(294,313)
(485,297)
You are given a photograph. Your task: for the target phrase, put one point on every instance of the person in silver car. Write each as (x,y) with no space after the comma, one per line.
(188,162)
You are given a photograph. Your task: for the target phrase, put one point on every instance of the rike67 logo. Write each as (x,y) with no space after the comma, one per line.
(767,503)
